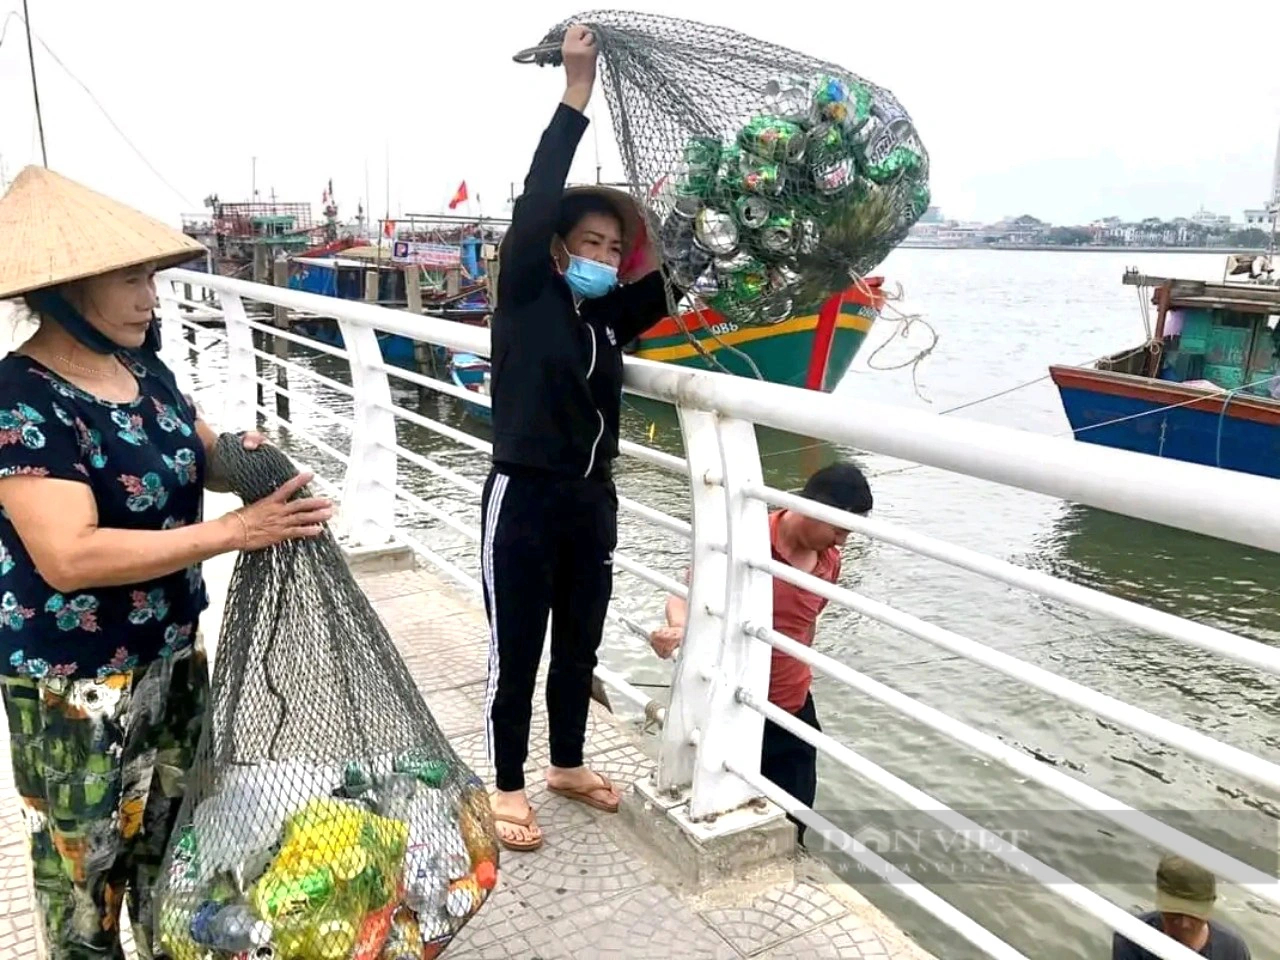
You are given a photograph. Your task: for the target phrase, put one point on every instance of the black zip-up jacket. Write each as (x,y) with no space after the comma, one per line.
(557,366)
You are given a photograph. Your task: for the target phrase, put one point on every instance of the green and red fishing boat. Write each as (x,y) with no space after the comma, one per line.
(811,350)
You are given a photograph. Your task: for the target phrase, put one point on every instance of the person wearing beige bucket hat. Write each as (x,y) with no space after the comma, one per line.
(102,463)
(1185,896)
(578,280)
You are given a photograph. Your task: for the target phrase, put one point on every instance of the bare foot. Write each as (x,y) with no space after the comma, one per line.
(514,821)
(584,785)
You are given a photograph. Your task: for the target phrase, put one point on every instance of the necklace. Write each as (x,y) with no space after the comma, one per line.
(87,370)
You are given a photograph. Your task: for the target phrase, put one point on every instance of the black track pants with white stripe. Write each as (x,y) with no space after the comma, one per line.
(547,549)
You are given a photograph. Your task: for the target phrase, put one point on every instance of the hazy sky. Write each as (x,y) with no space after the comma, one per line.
(1067,112)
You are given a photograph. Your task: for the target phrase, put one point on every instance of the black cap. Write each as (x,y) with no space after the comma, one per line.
(840,485)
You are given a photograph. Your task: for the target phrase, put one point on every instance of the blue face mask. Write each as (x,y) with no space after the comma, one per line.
(589,279)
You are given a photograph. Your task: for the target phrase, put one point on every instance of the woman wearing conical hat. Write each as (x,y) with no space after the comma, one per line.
(102,463)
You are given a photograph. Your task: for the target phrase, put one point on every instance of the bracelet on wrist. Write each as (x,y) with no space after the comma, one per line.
(244,526)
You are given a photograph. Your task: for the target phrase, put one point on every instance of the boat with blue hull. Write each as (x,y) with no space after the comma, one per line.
(345,277)
(472,373)
(1205,388)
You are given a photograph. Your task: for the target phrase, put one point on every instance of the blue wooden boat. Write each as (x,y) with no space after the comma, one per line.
(1204,389)
(344,277)
(472,372)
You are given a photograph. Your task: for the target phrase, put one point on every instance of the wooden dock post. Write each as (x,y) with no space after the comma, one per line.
(423,353)
(261,263)
(491,265)
(280,346)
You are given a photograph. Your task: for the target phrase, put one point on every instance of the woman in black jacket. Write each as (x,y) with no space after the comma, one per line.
(549,504)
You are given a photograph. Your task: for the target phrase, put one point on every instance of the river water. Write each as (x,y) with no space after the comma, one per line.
(1001,319)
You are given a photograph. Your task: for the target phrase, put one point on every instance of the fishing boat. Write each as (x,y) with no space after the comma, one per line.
(347,277)
(472,373)
(448,259)
(810,350)
(1205,388)
(244,237)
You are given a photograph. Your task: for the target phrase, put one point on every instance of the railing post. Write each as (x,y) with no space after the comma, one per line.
(706,726)
(240,411)
(170,328)
(368,498)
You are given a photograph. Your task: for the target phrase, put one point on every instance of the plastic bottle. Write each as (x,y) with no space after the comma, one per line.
(229,927)
(175,926)
(424,881)
(464,898)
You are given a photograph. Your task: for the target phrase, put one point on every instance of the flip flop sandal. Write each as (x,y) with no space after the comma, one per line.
(520,846)
(584,795)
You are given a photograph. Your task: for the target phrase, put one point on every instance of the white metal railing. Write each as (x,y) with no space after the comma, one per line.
(710,742)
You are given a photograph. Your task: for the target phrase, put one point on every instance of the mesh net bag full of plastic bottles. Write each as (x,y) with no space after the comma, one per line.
(773,180)
(326,816)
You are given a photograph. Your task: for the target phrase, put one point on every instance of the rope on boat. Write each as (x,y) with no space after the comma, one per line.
(907,321)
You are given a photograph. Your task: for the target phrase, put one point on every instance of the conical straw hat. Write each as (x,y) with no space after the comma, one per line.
(53,231)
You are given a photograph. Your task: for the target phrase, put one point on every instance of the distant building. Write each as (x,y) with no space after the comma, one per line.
(1023,229)
(1211,221)
(932,215)
(1110,230)
(1259,219)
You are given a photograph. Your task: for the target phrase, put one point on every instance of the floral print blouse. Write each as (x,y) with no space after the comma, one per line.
(145,464)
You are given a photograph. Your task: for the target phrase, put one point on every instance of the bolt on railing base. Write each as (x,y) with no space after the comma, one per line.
(753,841)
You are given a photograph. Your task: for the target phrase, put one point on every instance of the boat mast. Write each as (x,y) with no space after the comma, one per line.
(35,87)
(1275,199)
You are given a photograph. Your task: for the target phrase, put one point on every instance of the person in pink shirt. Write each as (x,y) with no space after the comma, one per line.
(811,546)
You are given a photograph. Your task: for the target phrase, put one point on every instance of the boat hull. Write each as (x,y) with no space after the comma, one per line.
(468,371)
(1169,420)
(396,350)
(805,351)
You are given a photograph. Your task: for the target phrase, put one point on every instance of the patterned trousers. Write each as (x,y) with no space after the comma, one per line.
(99,765)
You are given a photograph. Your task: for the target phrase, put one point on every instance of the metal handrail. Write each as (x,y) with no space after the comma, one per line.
(1197,498)
(1091,903)
(1241,649)
(1248,877)
(1135,718)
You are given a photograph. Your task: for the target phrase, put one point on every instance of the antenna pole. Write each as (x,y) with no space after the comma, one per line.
(35,88)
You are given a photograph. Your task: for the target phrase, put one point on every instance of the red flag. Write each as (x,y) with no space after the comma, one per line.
(389,227)
(459,196)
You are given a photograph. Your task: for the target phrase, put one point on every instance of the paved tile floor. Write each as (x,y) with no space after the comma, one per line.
(583,894)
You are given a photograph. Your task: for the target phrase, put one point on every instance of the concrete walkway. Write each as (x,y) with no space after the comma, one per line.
(590,891)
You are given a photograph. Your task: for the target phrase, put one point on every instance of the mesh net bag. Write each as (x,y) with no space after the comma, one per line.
(773,180)
(326,816)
